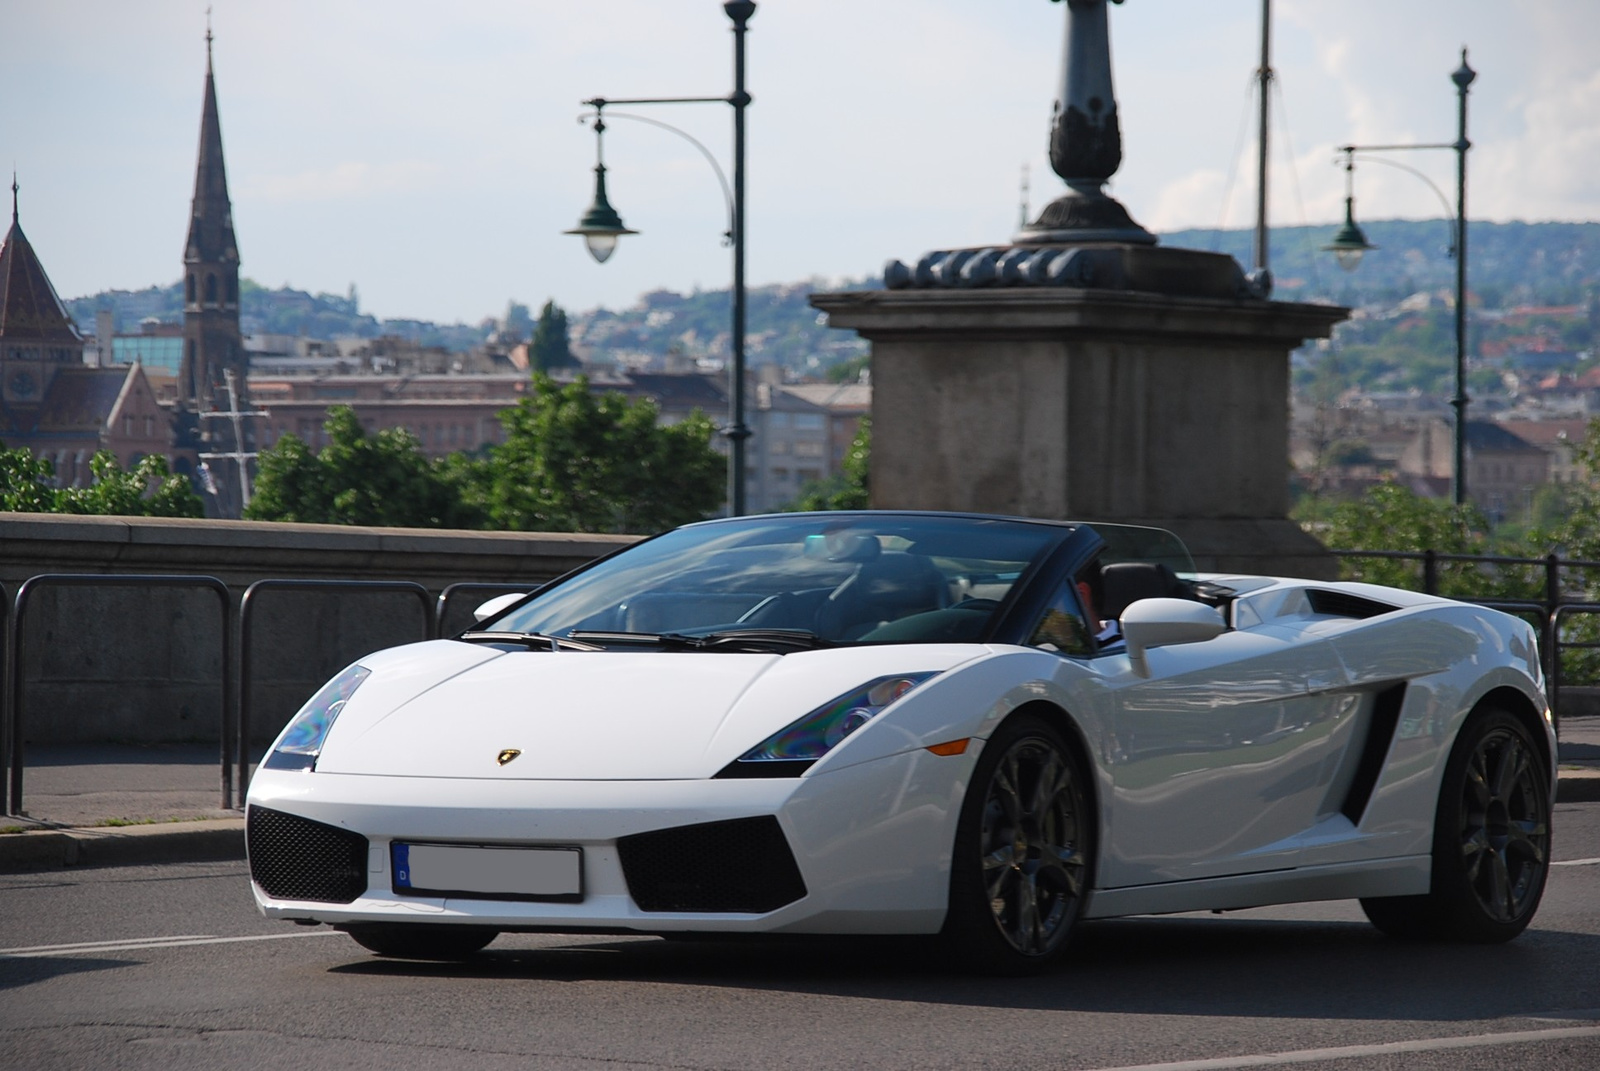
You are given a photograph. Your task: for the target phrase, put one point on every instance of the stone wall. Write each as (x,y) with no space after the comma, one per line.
(145,663)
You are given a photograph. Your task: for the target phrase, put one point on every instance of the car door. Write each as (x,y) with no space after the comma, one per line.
(1223,756)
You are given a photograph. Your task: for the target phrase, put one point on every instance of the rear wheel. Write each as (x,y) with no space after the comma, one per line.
(412,940)
(1023,851)
(1491,841)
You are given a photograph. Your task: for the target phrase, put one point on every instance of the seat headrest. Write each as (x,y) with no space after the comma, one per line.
(1128,582)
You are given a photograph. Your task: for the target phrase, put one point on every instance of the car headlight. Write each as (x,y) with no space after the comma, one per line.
(790,751)
(301,741)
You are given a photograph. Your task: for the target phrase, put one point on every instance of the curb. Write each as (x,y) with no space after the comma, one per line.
(187,842)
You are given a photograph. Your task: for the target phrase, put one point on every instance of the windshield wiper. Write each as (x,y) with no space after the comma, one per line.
(734,639)
(534,641)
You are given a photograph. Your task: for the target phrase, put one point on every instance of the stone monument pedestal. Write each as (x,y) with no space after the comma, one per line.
(1125,405)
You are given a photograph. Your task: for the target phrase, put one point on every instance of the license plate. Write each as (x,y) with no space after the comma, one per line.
(486,872)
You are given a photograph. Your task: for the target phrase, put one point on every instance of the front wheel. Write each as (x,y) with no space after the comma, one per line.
(1023,851)
(1491,841)
(418,940)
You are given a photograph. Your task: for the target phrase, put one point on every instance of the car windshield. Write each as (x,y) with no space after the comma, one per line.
(800,579)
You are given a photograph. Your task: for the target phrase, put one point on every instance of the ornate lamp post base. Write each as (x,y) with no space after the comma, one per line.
(1085,213)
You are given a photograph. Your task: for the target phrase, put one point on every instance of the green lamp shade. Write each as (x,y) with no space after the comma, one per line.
(600,226)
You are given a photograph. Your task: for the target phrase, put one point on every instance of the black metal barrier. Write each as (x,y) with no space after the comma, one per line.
(17,710)
(247,607)
(1556,619)
(5,698)
(448,598)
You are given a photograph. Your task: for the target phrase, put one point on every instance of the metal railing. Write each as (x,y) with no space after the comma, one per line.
(451,595)
(1548,613)
(238,702)
(247,653)
(239,661)
(16,711)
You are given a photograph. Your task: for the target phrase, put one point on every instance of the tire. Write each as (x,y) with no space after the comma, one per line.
(414,940)
(1024,851)
(1491,841)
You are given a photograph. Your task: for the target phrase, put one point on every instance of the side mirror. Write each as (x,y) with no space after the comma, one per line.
(1163,622)
(498,604)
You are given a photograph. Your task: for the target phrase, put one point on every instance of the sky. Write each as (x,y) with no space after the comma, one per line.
(431,154)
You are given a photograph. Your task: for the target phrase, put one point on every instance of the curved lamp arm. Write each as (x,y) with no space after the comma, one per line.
(727,190)
(1449,212)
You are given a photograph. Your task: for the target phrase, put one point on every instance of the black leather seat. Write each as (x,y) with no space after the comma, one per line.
(1126,583)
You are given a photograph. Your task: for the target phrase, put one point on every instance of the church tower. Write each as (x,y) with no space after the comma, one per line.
(37,337)
(212,343)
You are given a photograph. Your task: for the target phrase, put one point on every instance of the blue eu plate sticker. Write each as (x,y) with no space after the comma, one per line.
(402,866)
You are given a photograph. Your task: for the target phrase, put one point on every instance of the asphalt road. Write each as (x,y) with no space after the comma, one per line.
(171,968)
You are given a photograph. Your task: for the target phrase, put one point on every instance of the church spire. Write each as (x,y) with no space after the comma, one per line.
(213,347)
(211,220)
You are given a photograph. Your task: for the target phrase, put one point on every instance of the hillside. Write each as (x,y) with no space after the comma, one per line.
(1511,264)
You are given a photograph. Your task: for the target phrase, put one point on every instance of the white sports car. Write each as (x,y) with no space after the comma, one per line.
(979,727)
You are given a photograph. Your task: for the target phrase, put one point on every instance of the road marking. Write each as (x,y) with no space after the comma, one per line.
(1308,1056)
(1576,862)
(138,943)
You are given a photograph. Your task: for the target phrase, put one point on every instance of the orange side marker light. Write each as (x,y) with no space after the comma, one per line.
(951,747)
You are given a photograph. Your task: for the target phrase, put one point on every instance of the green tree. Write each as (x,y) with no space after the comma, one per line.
(577,461)
(150,490)
(1575,532)
(849,488)
(549,350)
(1392,517)
(25,482)
(382,479)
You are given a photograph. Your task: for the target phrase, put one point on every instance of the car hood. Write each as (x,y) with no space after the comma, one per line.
(450,709)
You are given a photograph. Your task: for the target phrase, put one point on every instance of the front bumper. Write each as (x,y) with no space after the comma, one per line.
(871,843)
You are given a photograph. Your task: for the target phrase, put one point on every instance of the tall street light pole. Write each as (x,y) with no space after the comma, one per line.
(1349,244)
(601,226)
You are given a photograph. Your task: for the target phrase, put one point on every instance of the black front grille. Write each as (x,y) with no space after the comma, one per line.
(743,865)
(294,858)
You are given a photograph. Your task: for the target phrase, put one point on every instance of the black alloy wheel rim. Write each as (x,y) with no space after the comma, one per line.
(1032,846)
(1505,833)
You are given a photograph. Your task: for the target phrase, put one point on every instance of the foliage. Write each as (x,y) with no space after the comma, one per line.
(577,461)
(850,489)
(25,482)
(549,349)
(382,479)
(150,490)
(1390,517)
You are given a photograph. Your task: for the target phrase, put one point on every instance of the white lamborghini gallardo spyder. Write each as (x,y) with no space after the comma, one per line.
(981,728)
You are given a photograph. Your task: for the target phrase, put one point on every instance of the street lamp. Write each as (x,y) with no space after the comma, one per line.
(1349,244)
(601,227)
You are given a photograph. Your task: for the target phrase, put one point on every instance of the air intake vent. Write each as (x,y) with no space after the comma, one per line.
(740,866)
(294,858)
(1380,736)
(1342,604)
